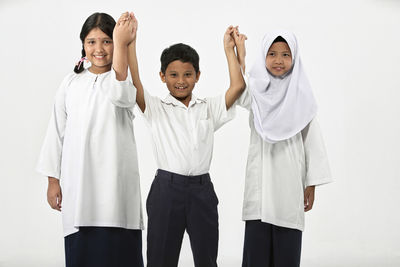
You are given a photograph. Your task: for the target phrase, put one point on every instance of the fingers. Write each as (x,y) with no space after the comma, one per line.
(123,19)
(54,202)
(308,199)
(229,30)
(59,200)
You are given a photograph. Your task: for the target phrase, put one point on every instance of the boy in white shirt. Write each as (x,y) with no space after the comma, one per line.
(182,195)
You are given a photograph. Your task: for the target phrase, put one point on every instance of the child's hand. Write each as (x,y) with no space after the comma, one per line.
(122,34)
(229,42)
(54,195)
(134,24)
(240,40)
(309,194)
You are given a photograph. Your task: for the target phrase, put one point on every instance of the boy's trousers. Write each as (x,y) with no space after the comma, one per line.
(177,203)
(268,245)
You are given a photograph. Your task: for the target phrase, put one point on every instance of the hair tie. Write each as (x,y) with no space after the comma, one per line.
(81,61)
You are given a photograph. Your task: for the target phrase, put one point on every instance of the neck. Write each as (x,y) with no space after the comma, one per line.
(184,100)
(99,70)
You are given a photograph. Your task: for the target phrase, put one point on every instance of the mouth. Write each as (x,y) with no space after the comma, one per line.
(278,68)
(180,88)
(99,56)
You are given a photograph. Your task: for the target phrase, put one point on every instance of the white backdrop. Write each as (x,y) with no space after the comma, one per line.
(351,53)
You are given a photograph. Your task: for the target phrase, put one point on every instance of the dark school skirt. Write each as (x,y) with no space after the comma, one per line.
(104,247)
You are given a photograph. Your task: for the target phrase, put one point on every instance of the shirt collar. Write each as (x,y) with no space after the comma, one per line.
(169,99)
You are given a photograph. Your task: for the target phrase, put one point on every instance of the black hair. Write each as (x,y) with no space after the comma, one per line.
(279,39)
(180,52)
(104,22)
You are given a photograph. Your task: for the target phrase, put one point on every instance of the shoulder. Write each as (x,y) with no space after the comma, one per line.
(69,78)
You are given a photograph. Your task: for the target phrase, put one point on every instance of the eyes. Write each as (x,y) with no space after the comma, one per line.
(92,42)
(285,54)
(186,75)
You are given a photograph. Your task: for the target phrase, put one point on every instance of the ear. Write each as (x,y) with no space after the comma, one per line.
(162,76)
(197,76)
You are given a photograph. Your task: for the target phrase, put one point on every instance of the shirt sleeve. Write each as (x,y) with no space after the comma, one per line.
(245,99)
(218,112)
(153,104)
(120,93)
(317,166)
(49,163)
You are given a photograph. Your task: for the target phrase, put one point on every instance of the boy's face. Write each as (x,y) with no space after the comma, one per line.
(180,78)
(279,59)
(99,50)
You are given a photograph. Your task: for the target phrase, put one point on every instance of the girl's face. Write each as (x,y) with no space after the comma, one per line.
(99,50)
(279,59)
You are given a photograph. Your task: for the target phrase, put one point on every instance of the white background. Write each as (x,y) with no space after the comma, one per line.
(351,53)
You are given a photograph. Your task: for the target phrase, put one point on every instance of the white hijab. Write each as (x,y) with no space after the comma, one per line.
(282,106)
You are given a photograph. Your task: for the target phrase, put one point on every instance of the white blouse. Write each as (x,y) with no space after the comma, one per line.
(277,174)
(183,137)
(90,146)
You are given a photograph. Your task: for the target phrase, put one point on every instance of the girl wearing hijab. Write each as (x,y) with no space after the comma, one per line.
(287,157)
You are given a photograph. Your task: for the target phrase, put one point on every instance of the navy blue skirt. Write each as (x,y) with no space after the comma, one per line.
(104,247)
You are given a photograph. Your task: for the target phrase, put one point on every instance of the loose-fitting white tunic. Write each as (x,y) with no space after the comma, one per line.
(90,146)
(277,174)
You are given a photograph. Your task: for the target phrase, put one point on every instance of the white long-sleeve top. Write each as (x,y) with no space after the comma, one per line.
(277,174)
(183,137)
(90,146)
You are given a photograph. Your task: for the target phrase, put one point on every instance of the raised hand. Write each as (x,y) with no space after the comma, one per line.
(240,40)
(122,34)
(229,42)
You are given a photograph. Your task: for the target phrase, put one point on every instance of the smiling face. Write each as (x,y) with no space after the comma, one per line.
(279,59)
(180,78)
(99,50)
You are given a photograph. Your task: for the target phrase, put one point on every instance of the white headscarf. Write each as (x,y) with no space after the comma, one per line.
(282,106)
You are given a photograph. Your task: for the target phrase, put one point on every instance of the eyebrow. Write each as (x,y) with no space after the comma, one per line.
(286,51)
(107,38)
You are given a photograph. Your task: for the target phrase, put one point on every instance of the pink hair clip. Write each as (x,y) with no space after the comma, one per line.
(81,61)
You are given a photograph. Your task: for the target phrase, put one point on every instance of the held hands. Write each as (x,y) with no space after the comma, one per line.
(229,42)
(309,194)
(125,29)
(54,195)
(240,40)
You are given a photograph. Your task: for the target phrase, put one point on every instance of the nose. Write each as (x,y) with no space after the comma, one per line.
(99,46)
(279,60)
(180,80)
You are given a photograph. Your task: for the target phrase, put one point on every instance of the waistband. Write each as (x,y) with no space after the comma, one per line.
(184,179)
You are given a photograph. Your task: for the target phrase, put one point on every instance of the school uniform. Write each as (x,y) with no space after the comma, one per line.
(182,196)
(90,147)
(286,154)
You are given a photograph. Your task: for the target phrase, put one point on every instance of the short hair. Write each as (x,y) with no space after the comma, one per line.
(181,52)
(104,22)
(279,39)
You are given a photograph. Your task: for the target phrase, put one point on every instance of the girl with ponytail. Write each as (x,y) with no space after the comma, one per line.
(89,152)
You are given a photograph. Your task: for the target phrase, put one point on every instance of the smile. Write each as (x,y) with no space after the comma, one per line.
(99,56)
(180,87)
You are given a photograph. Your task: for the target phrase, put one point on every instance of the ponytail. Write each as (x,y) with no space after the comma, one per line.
(79,66)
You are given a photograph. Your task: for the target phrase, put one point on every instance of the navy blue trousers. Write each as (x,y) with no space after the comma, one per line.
(104,247)
(268,245)
(177,203)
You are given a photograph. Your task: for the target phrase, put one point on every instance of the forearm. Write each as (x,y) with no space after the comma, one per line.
(237,84)
(120,61)
(134,69)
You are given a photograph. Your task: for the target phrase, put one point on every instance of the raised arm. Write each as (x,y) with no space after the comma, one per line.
(133,66)
(122,36)
(237,84)
(240,48)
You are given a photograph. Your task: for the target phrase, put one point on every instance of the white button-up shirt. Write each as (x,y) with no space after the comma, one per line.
(183,137)
(277,174)
(90,146)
